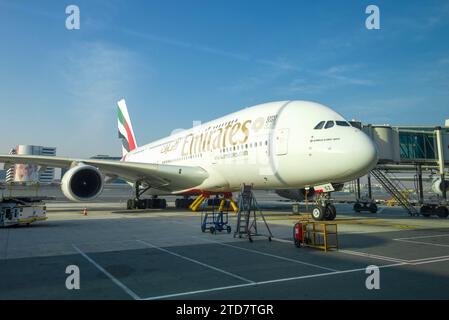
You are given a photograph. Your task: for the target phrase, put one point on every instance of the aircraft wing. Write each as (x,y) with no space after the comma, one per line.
(159,176)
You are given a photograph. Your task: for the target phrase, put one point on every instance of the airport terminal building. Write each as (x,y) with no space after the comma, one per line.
(30,173)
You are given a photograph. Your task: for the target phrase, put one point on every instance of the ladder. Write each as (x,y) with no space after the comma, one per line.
(387,181)
(247,213)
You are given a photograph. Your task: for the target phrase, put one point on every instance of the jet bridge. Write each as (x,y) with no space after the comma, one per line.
(406,148)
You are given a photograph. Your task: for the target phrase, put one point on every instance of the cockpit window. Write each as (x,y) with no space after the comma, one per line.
(343,124)
(320,125)
(329,124)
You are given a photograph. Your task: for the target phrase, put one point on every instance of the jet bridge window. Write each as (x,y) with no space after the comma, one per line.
(320,125)
(343,124)
(329,125)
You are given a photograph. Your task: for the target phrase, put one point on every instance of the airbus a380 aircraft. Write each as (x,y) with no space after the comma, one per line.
(277,145)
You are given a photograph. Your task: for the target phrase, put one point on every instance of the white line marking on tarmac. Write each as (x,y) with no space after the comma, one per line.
(408,262)
(196,261)
(173,295)
(430,261)
(290,279)
(266,282)
(424,259)
(131,293)
(282,240)
(426,243)
(422,237)
(268,254)
(373,256)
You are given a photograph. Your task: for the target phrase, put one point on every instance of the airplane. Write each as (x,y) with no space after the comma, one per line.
(272,146)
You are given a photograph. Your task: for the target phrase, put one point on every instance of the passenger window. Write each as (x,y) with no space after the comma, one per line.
(329,124)
(320,125)
(343,124)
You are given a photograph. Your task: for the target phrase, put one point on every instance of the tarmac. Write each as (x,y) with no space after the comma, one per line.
(162,254)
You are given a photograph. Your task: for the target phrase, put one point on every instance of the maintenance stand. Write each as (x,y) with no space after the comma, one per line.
(248,210)
(215,214)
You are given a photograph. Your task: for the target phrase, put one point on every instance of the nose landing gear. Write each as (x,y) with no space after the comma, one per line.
(324,209)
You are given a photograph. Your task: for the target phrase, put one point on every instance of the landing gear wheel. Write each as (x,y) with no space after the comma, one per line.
(141,204)
(442,212)
(372,207)
(228,229)
(203,229)
(148,203)
(212,230)
(330,212)
(156,203)
(357,207)
(318,213)
(130,204)
(425,211)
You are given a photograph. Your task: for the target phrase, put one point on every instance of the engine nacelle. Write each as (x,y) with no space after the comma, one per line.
(438,186)
(82,183)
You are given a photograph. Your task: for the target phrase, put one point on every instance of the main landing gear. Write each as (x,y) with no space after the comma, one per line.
(369,206)
(434,209)
(183,203)
(137,203)
(324,209)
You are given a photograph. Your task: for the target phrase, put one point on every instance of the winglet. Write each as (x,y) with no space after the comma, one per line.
(125,128)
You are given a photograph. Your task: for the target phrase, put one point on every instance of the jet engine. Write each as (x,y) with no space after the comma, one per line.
(82,183)
(438,186)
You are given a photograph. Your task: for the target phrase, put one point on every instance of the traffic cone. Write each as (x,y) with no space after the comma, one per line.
(85,211)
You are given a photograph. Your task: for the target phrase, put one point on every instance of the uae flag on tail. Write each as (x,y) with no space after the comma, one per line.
(125,129)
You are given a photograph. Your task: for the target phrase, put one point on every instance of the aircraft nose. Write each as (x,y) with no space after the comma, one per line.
(364,155)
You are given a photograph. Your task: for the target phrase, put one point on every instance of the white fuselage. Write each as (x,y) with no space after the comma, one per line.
(271,146)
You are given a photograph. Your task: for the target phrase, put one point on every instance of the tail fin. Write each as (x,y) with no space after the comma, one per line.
(125,128)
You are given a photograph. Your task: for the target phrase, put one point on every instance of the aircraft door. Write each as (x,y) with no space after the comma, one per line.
(281,141)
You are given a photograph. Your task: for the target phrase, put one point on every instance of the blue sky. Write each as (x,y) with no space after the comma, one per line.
(185,60)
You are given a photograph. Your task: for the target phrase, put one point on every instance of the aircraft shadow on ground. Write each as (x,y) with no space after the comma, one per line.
(150,272)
